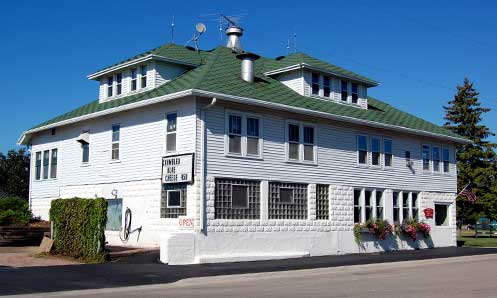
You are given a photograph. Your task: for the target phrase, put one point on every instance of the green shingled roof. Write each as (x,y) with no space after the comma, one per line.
(220,73)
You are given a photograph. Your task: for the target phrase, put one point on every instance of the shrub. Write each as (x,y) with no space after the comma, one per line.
(79,226)
(14,211)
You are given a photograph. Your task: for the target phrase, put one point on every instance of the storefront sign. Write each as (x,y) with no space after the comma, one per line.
(186,223)
(177,168)
(428,212)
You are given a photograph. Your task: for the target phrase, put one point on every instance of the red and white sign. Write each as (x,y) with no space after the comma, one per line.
(186,223)
(428,212)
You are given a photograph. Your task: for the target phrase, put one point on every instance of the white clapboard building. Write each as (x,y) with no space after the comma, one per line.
(223,155)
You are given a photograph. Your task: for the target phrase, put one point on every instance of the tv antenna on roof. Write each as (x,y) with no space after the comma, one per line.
(172,31)
(224,21)
(200,28)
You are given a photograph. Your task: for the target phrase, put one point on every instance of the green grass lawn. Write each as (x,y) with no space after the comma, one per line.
(481,241)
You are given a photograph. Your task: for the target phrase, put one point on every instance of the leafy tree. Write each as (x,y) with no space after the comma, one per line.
(476,162)
(14,173)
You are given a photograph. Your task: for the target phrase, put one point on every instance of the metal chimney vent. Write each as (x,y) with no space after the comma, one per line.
(234,33)
(248,66)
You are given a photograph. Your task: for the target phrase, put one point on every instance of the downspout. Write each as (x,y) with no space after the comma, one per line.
(203,166)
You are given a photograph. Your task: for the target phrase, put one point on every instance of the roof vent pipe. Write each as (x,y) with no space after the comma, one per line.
(234,33)
(248,66)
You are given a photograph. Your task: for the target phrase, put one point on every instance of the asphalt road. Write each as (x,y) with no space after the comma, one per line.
(143,271)
(471,276)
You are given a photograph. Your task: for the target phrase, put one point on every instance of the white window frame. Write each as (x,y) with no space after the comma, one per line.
(380,157)
(52,164)
(371,204)
(118,142)
(449,220)
(429,158)
(446,161)
(318,83)
(352,93)
(347,83)
(384,152)
(118,84)
(436,170)
(243,141)
(141,76)
(360,205)
(36,154)
(367,150)
(171,132)
(382,206)
(135,79)
(167,201)
(109,87)
(301,126)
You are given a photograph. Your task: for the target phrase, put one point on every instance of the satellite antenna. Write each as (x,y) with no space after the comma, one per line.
(200,27)
(223,21)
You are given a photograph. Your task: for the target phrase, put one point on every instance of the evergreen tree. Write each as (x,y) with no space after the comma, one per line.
(476,162)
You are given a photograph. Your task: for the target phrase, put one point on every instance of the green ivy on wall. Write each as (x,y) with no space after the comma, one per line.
(79,228)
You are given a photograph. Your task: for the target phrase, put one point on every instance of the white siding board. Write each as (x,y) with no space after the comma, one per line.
(164,72)
(293,80)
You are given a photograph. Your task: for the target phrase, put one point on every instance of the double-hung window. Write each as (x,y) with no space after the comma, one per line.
(387,152)
(301,142)
(116,136)
(171,128)
(368,204)
(143,76)
(38,166)
(414,205)
(362,149)
(46,160)
(119,83)
(379,204)
(375,151)
(445,157)
(235,134)
(326,86)
(53,164)
(345,90)
(293,142)
(85,148)
(134,79)
(110,86)
(243,135)
(355,93)
(253,136)
(357,205)
(405,206)
(396,207)
(315,84)
(436,159)
(426,157)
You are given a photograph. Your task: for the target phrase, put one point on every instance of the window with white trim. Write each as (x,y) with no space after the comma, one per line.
(441,214)
(379,204)
(405,206)
(46,162)
(445,157)
(436,159)
(387,152)
(116,136)
(38,166)
(85,152)
(355,93)
(53,164)
(134,79)
(171,128)
(110,86)
(244,132)
(375,151)
(396,207)
(344,90)
(315,84)
(426,157)
(173,200)
(235,134)
(357,205)
(253,136)
(362,149)
(368,204)
(301,142)
(414,205)
(119,83)
(326,86)
(143,76)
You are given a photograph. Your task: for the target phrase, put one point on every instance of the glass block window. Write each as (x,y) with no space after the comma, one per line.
(237,199)
(280,206)
(322,201)
(173,200)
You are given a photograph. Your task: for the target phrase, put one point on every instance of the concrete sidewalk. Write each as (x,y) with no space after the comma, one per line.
(143,269)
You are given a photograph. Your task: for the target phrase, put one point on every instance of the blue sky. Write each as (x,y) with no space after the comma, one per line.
(418,51)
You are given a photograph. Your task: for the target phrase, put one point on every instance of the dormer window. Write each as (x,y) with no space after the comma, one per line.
(134,79)
(110,86)
(326,86)
(344,89)
(143,76)
(315,84)
(355,94)
(119,85)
